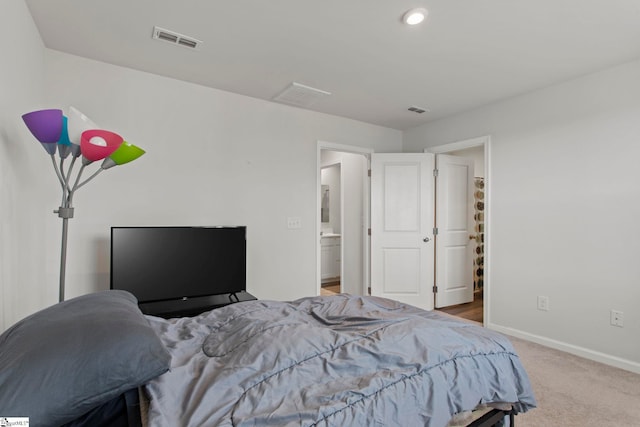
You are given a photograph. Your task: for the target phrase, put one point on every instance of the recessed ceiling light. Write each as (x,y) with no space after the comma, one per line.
(415,16)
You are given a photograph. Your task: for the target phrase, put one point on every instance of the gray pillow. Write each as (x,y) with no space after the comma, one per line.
(61,362)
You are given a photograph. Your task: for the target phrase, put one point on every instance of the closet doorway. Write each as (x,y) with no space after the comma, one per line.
(476,149)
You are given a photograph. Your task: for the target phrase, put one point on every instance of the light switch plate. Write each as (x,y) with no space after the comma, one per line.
(294,222)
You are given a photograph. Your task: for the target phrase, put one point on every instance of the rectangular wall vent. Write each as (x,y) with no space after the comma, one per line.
(175,38)
(418,109)
(300,95)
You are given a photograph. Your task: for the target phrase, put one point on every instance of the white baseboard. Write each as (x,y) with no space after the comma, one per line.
(607,359)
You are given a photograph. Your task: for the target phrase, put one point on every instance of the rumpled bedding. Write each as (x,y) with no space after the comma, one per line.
(330,361)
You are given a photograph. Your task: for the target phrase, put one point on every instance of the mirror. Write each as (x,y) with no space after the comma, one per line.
(324,206)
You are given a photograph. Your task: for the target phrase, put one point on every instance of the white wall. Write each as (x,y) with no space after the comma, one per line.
(24,169)
(212,158)
(565,203)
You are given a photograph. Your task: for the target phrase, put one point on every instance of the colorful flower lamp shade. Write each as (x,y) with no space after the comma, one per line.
(124,154)
(77,135)
(78,123)
(96,144)
(46,126)
(64,145)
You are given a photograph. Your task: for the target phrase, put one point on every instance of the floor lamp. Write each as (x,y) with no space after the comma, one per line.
(76,135)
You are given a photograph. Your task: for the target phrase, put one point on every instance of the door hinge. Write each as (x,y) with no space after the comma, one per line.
(369,231)
(435,172)
(435,231)
(369,172)
(369,290)
(435,289)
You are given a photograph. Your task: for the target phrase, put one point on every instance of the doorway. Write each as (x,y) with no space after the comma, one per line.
(342,224)
(476,149)
(359,286)
(331,226)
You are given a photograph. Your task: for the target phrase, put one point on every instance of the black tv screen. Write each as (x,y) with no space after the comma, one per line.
(166,263)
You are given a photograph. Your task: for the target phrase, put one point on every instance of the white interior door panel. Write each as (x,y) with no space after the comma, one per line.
(402,217)
(454,221)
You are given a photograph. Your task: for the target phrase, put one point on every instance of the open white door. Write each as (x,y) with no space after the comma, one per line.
(454,222)
(402,209)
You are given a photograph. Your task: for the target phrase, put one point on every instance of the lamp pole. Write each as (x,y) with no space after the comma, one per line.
(65,211)
(65,214)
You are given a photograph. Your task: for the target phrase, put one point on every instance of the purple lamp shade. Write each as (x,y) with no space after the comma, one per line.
(46,126)
(96,144)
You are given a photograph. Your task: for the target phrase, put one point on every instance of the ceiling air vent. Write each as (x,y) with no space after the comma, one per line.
(300,95)
(175,38)
(418,109)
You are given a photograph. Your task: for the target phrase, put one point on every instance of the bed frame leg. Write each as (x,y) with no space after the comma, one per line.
(494,418)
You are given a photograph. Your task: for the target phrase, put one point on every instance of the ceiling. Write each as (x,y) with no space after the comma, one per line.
(468,53)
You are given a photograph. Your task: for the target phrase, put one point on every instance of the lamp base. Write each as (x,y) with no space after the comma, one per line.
(64,212)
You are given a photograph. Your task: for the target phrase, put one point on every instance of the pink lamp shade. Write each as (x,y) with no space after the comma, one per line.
(46,127)
(96,144)
(77,123)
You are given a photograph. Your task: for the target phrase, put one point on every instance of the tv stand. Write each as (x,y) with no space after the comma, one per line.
(189,307)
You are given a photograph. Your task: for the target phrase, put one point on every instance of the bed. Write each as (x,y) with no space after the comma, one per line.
(329,361)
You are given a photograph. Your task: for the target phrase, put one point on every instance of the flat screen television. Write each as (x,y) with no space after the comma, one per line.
(178,263)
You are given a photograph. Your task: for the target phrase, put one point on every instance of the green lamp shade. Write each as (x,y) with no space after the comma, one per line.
(125,153)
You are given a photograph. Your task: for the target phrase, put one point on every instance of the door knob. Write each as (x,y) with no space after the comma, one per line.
(426,239)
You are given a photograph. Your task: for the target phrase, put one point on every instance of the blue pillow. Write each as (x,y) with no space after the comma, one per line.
(63,361)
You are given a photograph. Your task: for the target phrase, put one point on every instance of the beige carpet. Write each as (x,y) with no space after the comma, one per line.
(572,391)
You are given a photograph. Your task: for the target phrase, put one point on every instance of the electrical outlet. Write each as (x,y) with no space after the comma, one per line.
(294,222)
(543,303)
(617,318)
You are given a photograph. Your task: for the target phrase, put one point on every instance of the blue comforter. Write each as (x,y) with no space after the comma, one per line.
(330,361)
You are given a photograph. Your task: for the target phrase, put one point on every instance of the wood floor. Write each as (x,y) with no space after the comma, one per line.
(471,310)
(330,288)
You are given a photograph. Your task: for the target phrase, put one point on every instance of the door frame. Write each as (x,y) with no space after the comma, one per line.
(461,145)
(366,152)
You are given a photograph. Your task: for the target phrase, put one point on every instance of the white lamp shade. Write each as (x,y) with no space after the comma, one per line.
(78,123)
